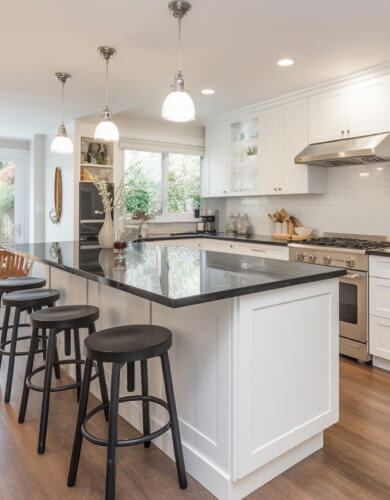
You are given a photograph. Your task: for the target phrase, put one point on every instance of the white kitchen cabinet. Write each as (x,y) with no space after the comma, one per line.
(379,309)
(283,134)
(380,337)
(368,106)
(224,246)
(215,163)
(243,163)
(352,111)
(327,116)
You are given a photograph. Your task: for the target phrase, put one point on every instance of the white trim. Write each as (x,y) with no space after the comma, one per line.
(161,146)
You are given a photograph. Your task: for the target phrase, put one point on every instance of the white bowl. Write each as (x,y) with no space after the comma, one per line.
(303,231)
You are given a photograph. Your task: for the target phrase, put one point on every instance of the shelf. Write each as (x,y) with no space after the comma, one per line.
(95,165)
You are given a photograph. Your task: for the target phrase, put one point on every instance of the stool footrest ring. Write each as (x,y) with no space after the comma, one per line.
(20,353)
(59,388)
(126,442)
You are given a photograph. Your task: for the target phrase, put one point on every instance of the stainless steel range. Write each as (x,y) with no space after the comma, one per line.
(349,252)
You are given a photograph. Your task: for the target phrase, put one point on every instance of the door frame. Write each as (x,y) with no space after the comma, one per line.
(21,160)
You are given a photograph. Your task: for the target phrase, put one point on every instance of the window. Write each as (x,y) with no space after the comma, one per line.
(165,184)
(7,201)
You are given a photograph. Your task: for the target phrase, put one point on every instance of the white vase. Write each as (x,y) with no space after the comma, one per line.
(106,234)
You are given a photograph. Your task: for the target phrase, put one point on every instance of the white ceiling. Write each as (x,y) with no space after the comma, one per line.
(229,45)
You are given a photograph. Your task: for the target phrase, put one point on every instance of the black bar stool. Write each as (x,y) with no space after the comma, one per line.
(14,285)
(121,345)
(58,319)
(23,300)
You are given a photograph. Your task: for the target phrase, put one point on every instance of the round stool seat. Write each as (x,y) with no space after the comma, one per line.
(24,283)
(26,299)
(65,317)
(128,343)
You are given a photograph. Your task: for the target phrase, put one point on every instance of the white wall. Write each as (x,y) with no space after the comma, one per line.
(64,230)
(353,203)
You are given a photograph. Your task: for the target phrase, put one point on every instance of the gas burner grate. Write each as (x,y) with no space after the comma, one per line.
(348,243)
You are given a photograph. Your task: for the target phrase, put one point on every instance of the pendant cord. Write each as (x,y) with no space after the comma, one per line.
(62,101)
(107,83)
(180,51)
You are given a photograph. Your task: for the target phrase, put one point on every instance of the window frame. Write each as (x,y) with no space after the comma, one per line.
(165,215)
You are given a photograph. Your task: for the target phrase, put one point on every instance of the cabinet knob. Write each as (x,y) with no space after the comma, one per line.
(348,131)
(279,189)
(342,132)
(275,189)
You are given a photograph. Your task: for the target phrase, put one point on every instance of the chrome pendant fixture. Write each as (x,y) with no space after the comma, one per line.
(178,106)
(106,130)
(61,144)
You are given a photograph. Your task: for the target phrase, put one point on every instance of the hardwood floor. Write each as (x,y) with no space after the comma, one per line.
(354,464)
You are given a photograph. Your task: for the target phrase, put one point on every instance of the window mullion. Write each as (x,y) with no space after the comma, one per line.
(164,186)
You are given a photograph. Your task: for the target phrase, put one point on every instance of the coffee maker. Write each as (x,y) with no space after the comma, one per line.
(209,222)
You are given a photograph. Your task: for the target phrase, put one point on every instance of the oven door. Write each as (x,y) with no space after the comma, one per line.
(353,306)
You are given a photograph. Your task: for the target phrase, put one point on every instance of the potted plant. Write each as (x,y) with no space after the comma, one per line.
(196,205)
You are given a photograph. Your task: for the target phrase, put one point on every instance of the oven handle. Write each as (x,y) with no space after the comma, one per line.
(351,276)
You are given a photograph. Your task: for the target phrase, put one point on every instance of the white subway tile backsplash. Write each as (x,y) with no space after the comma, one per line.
(357,200)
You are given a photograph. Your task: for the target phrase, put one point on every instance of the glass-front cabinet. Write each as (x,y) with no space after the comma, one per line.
(243,162)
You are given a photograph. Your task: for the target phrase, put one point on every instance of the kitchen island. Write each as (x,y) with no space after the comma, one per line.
(254,356)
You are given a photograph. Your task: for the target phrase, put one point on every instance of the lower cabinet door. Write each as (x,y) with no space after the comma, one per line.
(379,343)
(379,297)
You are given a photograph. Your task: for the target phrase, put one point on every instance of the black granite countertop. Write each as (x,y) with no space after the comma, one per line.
(253,238)
(177,276)
(385,252)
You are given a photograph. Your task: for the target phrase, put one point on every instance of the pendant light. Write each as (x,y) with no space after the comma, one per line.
(178,105)
(106,130)
(61,144)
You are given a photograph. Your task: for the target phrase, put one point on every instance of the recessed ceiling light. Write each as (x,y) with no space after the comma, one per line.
(208,91)
(285,62)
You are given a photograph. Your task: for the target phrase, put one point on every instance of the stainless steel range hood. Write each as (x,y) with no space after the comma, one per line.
(357,151)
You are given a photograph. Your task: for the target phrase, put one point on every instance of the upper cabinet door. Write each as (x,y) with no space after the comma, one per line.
(270,151)
(368,107)
(215,162)
(327,116)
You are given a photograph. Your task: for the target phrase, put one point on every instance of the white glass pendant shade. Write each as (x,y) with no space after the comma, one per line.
(178,106)
(61,144)
(106,130)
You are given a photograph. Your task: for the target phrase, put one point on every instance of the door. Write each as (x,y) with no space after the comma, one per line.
(353,306)
(270,152)
(368,107)
(14,220)
(215,161)
(295,135)
(327,116)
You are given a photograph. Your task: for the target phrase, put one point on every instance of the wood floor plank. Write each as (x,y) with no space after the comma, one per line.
(354,463)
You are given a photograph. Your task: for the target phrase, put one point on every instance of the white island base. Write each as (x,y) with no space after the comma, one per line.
(255,377)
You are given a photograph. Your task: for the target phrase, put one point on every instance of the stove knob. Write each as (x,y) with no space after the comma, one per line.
(312,259)
(350,262)
(300,256)
(327,260)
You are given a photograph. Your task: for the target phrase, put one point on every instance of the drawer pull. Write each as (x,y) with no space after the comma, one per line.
(258,250)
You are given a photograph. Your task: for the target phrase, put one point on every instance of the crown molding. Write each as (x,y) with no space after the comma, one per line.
(351,79)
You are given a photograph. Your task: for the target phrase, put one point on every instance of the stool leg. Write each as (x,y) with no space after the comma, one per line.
(78,358)
(57,369)
(145,404)
(11,364)
(112,431)
(102,378)
(67,342)
(5,329)
(29,368)
(181,471)
(78,437)
(44,344)
(46,391)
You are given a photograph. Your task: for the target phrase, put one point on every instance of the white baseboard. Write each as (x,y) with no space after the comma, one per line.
(382,363)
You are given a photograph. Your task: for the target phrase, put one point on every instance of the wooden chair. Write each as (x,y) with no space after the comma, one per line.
(13,265)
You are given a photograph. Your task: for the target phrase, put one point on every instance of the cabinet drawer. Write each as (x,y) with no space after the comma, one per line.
(379,343)
(217,245)
(379,266)
(380,297)
(185,242)
(260,250)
